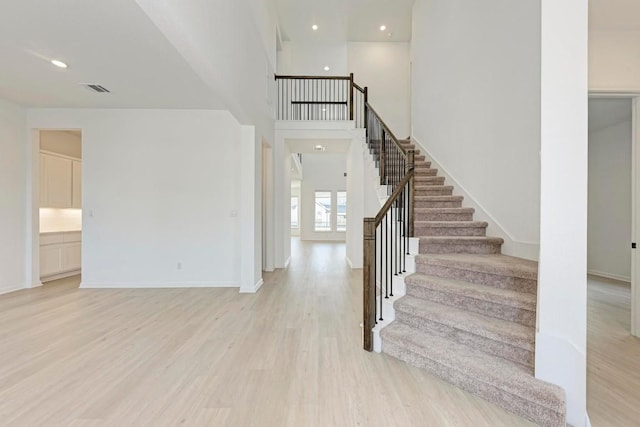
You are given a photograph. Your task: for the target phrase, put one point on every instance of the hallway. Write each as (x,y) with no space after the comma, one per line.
(290,355)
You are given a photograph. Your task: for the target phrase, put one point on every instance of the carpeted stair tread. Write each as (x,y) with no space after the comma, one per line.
(426,171)
(450,227)
(502,382)
(444,210)
(507,297)
(487,327)
(451,224)
(460,245)
(503,265)
(513,304)
(428,188)
(437,201)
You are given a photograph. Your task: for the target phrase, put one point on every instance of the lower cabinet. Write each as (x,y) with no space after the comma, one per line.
(60,255)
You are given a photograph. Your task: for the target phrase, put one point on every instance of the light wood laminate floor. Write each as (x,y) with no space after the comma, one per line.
(287,356)
(613,356)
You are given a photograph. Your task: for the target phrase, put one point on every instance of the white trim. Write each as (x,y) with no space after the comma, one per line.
(635,221)
(254,289)
(157,285)
(513,246)
(349,262)
(609,276)
(9,290)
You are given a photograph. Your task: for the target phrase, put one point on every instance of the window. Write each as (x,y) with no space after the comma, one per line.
(323,211)
(295,212)
(341,212)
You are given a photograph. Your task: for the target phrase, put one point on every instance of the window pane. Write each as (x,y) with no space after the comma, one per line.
(323,211)
(294,212)
(342,211)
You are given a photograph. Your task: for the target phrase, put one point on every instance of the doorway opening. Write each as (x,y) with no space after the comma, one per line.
(57,174)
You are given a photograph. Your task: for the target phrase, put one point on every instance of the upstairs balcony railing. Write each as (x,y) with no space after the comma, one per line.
(386,237)
(320,98)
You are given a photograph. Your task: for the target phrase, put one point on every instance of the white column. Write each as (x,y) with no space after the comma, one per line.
(250,215)
(562,288)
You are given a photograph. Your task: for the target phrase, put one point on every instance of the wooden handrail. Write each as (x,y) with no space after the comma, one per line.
(279,77)
(395,140)
(394,196)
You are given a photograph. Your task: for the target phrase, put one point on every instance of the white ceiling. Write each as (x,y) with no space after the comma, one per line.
(605,112)
(345,20)
(112,43)
(614,14)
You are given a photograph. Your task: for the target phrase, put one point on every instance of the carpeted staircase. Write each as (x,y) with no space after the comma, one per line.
(469,312)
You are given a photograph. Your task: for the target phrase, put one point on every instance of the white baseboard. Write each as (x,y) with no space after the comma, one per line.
(351,264)
(9,290)
(254,289)
(512,246)
(609,276)
(157,285)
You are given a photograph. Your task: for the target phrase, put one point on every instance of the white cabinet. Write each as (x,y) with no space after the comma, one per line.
(60,254)
(60,182)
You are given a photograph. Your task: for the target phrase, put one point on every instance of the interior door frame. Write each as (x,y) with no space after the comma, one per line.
(635,211)
(635,199)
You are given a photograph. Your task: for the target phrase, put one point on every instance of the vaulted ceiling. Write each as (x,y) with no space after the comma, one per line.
(345,20)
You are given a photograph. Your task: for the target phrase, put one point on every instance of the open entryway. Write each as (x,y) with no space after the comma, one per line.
(613,351)
(57,177)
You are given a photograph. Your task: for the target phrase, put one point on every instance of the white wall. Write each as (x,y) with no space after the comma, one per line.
(296,191)
(13,201)
(309,59)
(383,67)
(62,142)
(614,63)
(609,226)
(322,172)
(476,107)
(160,187)
(356,189)
(561,336)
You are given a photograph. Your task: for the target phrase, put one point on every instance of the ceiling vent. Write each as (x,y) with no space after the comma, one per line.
(96,88)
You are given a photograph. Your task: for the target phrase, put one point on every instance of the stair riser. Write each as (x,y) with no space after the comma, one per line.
(450,231)
(424,204)
(487,308)
(443,216)
(495,280)
(429,180)
(423,191)
(496,348)
(459,248)
(508,401)
(426,172)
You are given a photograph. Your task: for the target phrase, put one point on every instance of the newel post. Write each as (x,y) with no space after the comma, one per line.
(410,166)
(351,88)
(369,283)
(366,107)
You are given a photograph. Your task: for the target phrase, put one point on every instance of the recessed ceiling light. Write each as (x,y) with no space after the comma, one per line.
(58,63)
(326,68)
(314,27)
(319,148)
(383,27)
